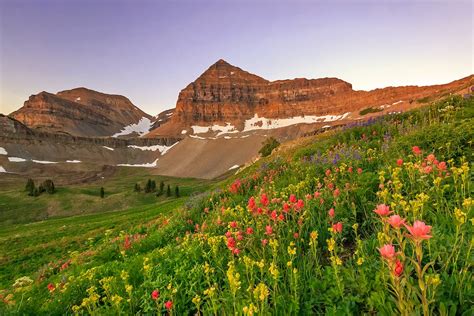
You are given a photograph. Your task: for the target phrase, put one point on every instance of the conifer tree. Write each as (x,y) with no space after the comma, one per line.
(168,191)
(176,191)
(102,192)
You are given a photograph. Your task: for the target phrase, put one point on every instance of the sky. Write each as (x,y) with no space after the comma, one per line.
(149,50)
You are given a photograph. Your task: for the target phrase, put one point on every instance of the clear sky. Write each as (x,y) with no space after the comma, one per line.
(150,50)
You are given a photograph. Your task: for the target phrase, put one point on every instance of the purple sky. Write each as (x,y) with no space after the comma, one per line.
(150,50)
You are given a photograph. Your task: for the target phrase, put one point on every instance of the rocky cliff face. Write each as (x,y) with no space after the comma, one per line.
(227,94)
(79,112)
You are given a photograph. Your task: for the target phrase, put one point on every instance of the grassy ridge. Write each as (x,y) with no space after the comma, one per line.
(304,231)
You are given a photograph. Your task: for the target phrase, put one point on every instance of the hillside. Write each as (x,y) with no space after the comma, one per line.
(370,218)
(82,112)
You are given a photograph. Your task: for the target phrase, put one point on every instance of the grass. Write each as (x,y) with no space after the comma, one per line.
(295,233)
(18,207)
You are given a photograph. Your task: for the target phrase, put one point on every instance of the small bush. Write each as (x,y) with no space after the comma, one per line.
(268,146)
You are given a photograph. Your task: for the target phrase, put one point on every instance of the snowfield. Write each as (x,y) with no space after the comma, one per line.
(109,148)
(73,161)
(16,159)
(2,170)
(161,148)
(3,151)
(234,167)
(142,127)
(144,165)
(257,123)
(262,123)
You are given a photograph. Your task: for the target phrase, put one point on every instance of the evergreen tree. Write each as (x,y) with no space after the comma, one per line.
(102,192)
(41,189)
(162,187)
(48,186)
(148,186)
(168,191)
(30,185)
(137,187)
(176,191)
(153,186)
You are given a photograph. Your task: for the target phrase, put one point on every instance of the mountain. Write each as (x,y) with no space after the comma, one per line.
(83,112)
(226,98)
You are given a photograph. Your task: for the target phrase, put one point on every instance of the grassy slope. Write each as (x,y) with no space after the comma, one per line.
(17,207)
(184,253)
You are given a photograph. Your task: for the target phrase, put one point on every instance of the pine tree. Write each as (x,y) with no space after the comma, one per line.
(137,187)
(148,186)
(162,187)
(102,192)
(153,186)
(176,191)
(30,184)
(168,191)
(48,186)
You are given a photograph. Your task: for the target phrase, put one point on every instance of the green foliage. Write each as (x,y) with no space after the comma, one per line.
(168,191)
(102,192)
(268,146)
(264,243)
(370,110)
(176,191)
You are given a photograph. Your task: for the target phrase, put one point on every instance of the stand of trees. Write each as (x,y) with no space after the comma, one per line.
(46,186)
(150,187)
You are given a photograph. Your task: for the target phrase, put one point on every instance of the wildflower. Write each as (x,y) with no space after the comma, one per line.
(396,221)
(196,300)
(249,231)
(382,210)
(309,196)
(261,291)
(349,169)
(281,217)
(398,269)
(251,204)
(264,199)
(328,172)
(337,227)
(399,162)
(273,270)
(387,251)
(233,224)
(116,299)
(416,150)
(274,215)
(316,194)
(300,204)
(442,166)
(169,305)
(431,158)
(336,192)
(286,207)
(236,251)
(51,287)
(331,213)
(460,216)
(264,242)
(360,261)
(155,295)
(331,243)
(268,230)
(296,235)
(428,169)
(419,230)
(313,235)
(231,243)
(228,234)
(359,170)
(292,198)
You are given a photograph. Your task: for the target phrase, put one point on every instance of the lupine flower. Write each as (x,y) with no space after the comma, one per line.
(416,150)
(268,230)
(398,269)
(337,227)
(396,221)
(382,210)
(169,305)
(387,251)
(51,287)
(400,162)
(419,230)
(155,295)
(331,213)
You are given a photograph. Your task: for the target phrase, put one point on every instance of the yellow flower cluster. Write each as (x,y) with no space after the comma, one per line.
(234,278)
(261,291)
(250,310)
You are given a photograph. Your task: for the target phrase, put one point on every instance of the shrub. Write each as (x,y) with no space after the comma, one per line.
(268,146)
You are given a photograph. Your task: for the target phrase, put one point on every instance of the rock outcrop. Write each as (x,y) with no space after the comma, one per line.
(225,94)
(79,112)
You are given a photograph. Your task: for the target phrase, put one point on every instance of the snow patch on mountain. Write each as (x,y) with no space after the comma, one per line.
(2,170)
(144,165)
(109,148)
(161,148)
(257,123)
(142,127)
(3,151)
(16,159)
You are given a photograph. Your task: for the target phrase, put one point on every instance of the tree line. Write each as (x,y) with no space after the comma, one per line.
(46,186)
(150,187)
